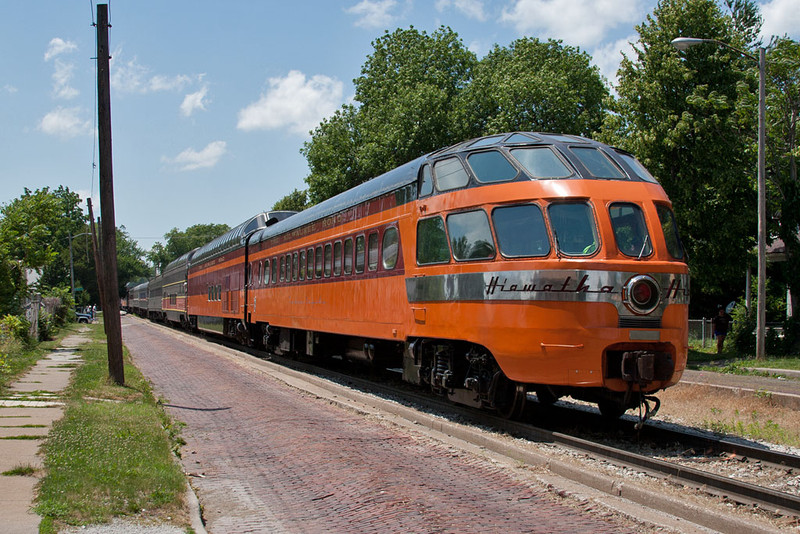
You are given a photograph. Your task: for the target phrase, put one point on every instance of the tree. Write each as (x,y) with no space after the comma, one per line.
(687,117)
(533,86)
(294,201)
(406,97)
(181,242)
(130,261)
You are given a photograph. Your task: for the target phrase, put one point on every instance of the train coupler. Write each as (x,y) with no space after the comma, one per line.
(647,413)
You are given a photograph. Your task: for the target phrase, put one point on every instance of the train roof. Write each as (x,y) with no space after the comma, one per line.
(180,262)
(235,237)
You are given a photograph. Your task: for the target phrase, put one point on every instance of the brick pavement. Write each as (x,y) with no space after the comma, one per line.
(274,459)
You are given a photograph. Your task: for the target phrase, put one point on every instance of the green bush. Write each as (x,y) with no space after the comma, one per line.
(13,327)
(742,334)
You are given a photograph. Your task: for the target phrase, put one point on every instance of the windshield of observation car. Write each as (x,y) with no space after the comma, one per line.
(470,235)
(432,244)
(598,164)
(521,231)
(425,181)
(670,229)
(541,162)
(630,230)
(450,174)
(491,167)
(637,167)
(574,228)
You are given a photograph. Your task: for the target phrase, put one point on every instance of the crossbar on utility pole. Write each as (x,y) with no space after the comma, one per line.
(116,368)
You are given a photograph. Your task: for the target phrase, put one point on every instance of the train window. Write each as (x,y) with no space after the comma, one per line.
(318,262)
(390,249)
(425,181)
(310,263)
(294,267)
(574,228)
(348,255)
(490,167)
(360,254)
(372,251)
(541,162)
(209,293)
(470,236)
(486,141)
(450,174)
(630,230)
(283,268)
(328,260)
(522,138)
(598,163)
(670,229)
(301,275)
(274,270)
(266,272)
(337,258)
(432,244)
(521,232)
(637,167)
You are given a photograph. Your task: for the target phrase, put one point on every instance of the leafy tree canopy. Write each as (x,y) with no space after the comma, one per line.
(180,242)
(294,201)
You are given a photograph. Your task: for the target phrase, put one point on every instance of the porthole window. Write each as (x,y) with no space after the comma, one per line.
(372,251)
(348,256)
(470,236)
(390,250)
(361,250)
(432,244)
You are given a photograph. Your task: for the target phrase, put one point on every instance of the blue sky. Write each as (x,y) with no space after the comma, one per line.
(212,101)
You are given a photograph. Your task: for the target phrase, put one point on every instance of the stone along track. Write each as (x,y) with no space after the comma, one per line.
(266,457)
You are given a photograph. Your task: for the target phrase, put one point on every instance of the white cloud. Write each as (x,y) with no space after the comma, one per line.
(373,13)
(582,23)
(66,123)
(191,159)
(132,77)
(194,101)
(294,102)
(607,57)
(780,17)
(62,75)
(57,47)
(8,88)
(470,8)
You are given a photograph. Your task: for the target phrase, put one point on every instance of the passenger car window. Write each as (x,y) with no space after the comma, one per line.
(491,167)
(670,229)
(450,174)
(360,254)
(470,236)
(630,230)
(390,251)
(598,163)
(337,258)
(266,272)
(302,274)
(310,263)
(328,260)
(574,228)
(372,251)
(432,244)
(348,255)
(318,262)
(541,162)
(521,231)
(274,270)
(294,267)
(283,268)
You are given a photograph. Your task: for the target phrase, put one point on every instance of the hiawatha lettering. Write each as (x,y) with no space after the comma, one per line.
(568,286)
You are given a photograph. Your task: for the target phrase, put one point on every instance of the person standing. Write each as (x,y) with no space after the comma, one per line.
(721,324)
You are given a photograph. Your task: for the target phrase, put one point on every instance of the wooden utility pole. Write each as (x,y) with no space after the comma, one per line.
(116,367)
(98,264)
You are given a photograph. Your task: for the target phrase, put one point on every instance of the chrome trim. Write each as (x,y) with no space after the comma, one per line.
(543,286)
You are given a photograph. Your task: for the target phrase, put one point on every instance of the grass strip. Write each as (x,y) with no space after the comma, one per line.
(107,459)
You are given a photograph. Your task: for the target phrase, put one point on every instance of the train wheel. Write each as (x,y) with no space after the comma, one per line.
(611,409)
(509,398)
(545,396)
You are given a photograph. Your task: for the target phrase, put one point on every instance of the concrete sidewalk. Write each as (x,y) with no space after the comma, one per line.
(27,411)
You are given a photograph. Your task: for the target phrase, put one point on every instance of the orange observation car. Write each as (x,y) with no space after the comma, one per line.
(513,263)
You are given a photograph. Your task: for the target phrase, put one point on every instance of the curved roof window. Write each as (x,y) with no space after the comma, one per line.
(521,138)
(486,141)
(541,162)
(450,174)
(598,163)
(637,167)
(491,167)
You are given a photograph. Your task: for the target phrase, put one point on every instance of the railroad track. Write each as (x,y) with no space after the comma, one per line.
(737,491)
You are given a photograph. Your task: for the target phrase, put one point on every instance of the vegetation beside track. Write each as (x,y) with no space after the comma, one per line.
(112,452)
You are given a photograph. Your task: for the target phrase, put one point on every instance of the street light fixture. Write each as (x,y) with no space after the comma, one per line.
(684,43)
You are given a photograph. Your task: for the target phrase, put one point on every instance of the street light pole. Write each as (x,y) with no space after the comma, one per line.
(684,43)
